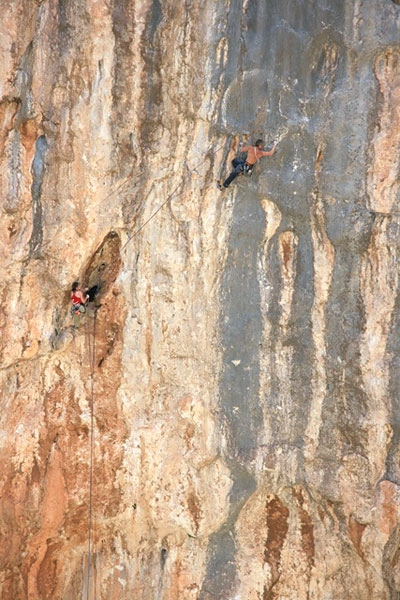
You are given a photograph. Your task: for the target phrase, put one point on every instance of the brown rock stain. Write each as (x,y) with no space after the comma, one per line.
(48,571)
(374,249)
(356,530)
(29,134)
(286,251)
(194,508)
(318,159)
(176,581)
(389,507)
(277,515)
(190,430)
(306,526)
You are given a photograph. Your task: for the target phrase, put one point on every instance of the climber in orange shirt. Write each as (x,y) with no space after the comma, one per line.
(254,153)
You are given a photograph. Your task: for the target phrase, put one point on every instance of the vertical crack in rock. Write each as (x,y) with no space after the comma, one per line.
(38,170)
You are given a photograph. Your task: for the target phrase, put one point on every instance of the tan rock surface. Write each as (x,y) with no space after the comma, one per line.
(227,414)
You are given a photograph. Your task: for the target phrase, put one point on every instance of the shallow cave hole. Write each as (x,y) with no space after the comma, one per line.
(104,265)
(102,268)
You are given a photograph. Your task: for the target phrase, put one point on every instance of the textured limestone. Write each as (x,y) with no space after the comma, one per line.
(242,366)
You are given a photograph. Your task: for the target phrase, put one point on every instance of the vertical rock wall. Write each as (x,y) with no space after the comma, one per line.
(238,386)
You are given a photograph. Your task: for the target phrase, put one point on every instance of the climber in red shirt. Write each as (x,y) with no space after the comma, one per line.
(78,299)
(254,153)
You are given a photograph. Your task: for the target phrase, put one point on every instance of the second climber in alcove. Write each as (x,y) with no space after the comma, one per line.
(245,165)
(79,299)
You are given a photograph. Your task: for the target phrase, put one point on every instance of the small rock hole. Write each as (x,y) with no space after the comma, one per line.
(163,557)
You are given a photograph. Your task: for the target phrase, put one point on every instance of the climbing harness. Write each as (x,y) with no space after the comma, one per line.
(77,309)
(248,170)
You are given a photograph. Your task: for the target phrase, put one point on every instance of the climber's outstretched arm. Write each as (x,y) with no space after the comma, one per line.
(269,152)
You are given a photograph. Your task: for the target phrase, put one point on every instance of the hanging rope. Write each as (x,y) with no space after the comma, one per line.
(169,197)
(92,359)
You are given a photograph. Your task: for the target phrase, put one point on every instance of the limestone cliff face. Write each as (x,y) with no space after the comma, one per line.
(237,390)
